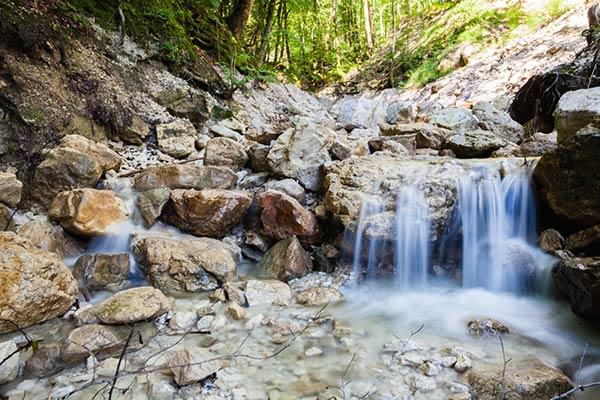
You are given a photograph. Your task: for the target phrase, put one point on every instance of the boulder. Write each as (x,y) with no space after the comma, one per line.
(486,327)
(355,143)
(136,133)
(182,103)
(193,365)
(355,113)
(176,138)
(102,271)
(267,293)
(10,189)
(537,145)
(9,356)
(50,237)
(235,311)
(185,176)
(399,112)
(286,260)
(586,241)
(186,264)
(225,152)
(576,110)
(208,212)
(283,217)
(45,361)
(318,296)
(129,306)
(151,203)
(35,284)
(524,380)
(301,152)
(498,122)
(225,132)
(87,212)
(473,144)
(289,187)
(257,154)
(76,162)
(459,120)
(426,135)
(568,180)
(550,240)
(101,341)
(579,280)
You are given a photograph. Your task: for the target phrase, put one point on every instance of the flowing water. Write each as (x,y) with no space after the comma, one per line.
(492,237)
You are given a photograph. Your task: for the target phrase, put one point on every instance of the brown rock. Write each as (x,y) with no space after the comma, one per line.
(579,280)
(185,176)
(86,212)
(151,203)
(526,380)
(550,240)
(485,327)
(283,217)
(235,311)
(186,264)
(209,212)
(586,241)
(286,260)
(569,181)
(10,189)
(257,153)
(35,285)
(50,237)
(99,340)
(225,152)
(191,366)
(102,271)
(76,162)
(6,218)
(318,296)
(131,305)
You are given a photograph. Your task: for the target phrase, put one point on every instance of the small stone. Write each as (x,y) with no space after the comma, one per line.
(317,296)
(218,322)
(428,368)
(420,382)
(235,292)
(550,240)
(463,363)
(235,311)
(313,351)
(484,327)
(218,295)
(267,293)
(193,365)
(448,361)
(182,321)
(255,321)
(340,330)
(205,322)
(132,305)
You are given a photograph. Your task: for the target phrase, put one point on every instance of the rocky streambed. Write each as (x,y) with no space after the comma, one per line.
(169,243)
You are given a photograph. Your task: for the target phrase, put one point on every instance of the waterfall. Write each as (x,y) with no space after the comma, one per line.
(497,218)
(410,247)
(491,237)
(411,238)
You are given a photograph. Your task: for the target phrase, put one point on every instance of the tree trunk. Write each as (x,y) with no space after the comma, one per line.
(266,34)
(367,28)
(239,17)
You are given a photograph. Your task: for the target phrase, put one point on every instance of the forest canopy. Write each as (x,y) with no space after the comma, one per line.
(320,42)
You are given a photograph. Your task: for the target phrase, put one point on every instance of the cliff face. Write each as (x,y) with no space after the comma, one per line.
(58,77)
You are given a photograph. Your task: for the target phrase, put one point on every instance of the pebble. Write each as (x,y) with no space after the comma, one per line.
(313,351)
(463,363)
(255,321)
(205,322)
(235,311)
(420,382)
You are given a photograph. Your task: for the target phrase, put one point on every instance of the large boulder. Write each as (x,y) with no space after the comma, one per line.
(185,176)
(129,306)
(301,152)
(459,120)
(568,180)
(186,264)
(283,216)
(354,112)
(286,260)
(225,152)
(525,380)
(50,237)
(579,280)
(102,271)
(473,144)
(177,138)
(426,135)
(10,189)
(87,212)
(35,284)
(537,145)
(208,212)
(267,293)
(380,176)
(76,162)
(498,122)
(576,110)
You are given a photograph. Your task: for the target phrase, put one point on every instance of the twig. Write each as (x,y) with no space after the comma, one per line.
(412,334)
(116,375)
(580,388)
(505,363)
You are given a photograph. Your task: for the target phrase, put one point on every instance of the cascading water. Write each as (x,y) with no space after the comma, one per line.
(412,238)
(498,230)
(492,234)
